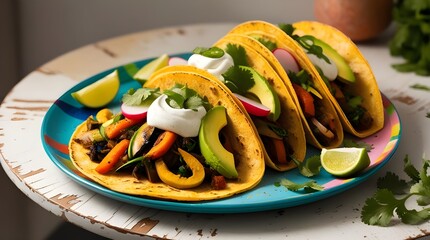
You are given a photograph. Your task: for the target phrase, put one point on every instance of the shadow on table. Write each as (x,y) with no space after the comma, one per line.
(66,231)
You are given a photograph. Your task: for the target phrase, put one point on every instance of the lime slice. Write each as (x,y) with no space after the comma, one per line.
(145,72)
(99,93)
(344,162)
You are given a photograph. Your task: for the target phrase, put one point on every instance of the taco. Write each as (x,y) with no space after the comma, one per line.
(354,92)
(251,76)
(162,173)
(320,120)
(336,64)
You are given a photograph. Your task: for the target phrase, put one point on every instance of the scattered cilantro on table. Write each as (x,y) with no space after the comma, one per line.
(412,38)
(420,87)
(393,193)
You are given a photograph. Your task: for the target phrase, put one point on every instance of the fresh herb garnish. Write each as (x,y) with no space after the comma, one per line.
(238,53)
(428,115)
(347,142)
(309,167)
(213,52)
(267,43)
(420,87)
(181,96)
(238,80)
(302,78)
(412,38)
(393,193)
(306,41)
(309,186)
(137,97)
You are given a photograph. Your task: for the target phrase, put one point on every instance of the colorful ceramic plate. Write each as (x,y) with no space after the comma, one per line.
(65,114)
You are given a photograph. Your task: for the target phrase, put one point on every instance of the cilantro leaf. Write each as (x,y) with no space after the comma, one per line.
(302,78)
(393,183)
(309,186)
(138,97)
(428,115)
(267,43)
(379,210)
(238,53)
(420,87)
(310,167)
(238,79)
(181,96)
(347,142)
(410,170)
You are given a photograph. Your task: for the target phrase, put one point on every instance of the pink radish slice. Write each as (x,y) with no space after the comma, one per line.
(134,112)
(286,60)
(177,61)
(253,107)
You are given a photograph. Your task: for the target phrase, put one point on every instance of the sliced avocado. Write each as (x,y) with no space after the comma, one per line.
(212,150)
(345,73)
(265,93)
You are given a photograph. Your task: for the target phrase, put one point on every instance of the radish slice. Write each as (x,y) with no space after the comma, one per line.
(177,61)
(253,107)
(134,112)
(286,60)
(328,69)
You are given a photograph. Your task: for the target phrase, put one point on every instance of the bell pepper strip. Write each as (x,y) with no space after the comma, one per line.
(306,100)
(117,128)
(113,157)
(281,154)
(161,145)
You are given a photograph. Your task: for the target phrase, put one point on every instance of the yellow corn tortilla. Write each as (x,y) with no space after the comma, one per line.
(365,85)
(246,148)
(254,29)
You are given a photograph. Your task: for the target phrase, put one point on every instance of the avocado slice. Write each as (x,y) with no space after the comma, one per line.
(345,73)
(212,150)
(265,93)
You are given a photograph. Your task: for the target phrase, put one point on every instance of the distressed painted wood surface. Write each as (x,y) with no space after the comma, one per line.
(24,160)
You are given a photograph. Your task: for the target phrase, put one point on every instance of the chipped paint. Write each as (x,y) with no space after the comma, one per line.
(32,173)
(144,226)
(66,202)
(39,109)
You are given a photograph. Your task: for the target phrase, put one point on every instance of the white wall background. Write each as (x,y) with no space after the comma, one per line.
(36,31)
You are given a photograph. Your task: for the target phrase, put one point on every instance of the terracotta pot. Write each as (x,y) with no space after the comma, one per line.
(358,19)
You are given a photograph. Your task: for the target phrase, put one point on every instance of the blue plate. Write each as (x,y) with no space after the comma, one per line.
(66,114)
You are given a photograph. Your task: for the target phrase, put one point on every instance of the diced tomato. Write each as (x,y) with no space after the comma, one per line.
(306,100)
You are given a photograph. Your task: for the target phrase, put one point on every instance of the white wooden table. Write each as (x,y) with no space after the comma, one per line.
(27,165)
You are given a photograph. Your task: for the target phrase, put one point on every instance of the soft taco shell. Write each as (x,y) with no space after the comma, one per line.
(245,144)
(272,33)
(365,85)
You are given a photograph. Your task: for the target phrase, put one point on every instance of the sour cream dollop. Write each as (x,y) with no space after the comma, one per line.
(184,122)
(215,66)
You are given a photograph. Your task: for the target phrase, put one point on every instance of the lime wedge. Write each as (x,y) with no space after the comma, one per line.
(145,72)
(344,162)
(99,93)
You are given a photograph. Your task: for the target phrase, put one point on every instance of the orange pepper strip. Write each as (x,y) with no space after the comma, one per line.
(162,145)
(306,100)
(116,129)
(113,157)
(281,154)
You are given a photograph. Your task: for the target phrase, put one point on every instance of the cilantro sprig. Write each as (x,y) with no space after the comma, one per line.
(393,193)
(412,38)
(181,96)
(138,97)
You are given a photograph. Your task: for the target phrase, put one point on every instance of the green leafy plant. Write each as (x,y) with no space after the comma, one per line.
(412,38)
(393,193)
